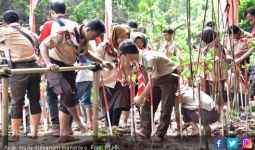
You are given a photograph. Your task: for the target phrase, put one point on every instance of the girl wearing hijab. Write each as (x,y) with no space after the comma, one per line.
(115,81)
(140,41)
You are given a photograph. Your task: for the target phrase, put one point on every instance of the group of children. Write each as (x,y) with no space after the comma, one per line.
(63,42)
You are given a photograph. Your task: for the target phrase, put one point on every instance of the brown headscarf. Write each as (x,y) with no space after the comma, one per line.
(139,35)
(118,31)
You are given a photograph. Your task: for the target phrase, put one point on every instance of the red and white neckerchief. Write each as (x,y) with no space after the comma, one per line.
(140,78)
(121,78)
(141,82)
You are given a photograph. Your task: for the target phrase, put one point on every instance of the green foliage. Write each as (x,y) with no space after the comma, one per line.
(42,12)
(197,66)
(243,5)
(86,9)
(251,42)
(155,15)
(21,6)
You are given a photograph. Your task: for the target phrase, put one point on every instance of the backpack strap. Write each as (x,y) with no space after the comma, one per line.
(61,23)
(25,35)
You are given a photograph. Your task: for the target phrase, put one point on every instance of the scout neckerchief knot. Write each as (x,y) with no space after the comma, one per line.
(79,41)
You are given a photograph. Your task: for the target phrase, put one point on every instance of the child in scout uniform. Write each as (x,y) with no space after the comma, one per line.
(62,50)
(17,43)
(164,85)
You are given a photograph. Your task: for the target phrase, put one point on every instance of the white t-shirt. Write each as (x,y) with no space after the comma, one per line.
(189,103)
(84,75)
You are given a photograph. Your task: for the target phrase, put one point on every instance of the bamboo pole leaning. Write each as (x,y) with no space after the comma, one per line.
(5,112)
(7,71)
(95,104)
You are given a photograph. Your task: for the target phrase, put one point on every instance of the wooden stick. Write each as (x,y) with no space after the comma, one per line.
(43,70)
(132,127)
(151,100)
(246,99)
(2,66)
(95,104)
(1,101)
(24,120)
(134,108)
(45,123)
(131,100)
(180,105)
(106,105)
(200,111)
(228,99)
(5,112)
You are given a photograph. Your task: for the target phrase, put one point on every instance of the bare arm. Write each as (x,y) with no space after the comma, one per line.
(49,43)
(246,55)
(93,58)
(240,52)
(45,53)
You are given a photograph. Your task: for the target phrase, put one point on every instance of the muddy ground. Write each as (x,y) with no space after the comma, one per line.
(122,140)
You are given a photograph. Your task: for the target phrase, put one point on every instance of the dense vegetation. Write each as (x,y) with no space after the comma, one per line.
(155,15)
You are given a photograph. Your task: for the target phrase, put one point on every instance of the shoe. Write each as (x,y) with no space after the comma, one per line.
(13,139)
(158,139)
(54,130)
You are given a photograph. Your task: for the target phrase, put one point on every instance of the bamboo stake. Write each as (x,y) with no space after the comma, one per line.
(133,109)
(228,99)
(2,66)
(45,123)
(240,86)
(131,101)
(106,105)
(132,95)
(43,70)
(24,120)
(151,99)
(246,100)
(95,104)
(200,116)
(1,101)
(180,105)
(241,93)
(5,112)
(200,111)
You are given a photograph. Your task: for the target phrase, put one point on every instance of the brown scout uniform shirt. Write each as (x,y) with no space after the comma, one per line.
(15,45)
(156,63)
(170,49)
(239,44)
(65,51)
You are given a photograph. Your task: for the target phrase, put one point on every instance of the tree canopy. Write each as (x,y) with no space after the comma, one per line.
(155,15)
